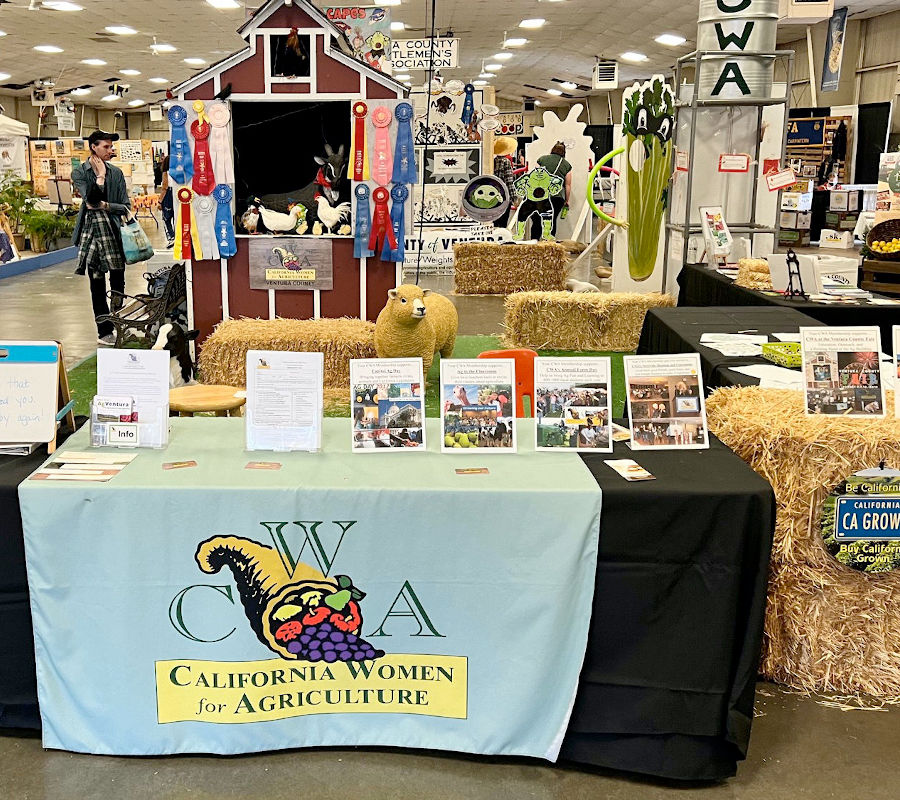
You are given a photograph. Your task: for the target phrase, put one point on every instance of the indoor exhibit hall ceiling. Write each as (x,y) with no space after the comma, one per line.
(564,48)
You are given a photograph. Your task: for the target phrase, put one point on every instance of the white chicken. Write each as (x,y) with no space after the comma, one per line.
(277,222)
(332,216)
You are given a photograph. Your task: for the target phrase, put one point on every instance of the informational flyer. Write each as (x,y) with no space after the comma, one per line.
(387,405)
(478,405)
(284,400)
(571,404)
(665,402)
(143,376)
(842,371)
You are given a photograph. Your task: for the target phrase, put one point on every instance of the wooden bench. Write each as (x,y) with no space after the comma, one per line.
(142,314)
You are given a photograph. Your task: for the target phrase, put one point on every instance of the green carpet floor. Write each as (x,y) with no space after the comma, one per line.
(83,377)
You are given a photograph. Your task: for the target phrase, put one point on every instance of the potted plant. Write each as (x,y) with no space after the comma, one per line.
(46,228)
(16,200)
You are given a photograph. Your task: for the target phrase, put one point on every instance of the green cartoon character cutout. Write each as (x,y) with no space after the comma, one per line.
(536,188)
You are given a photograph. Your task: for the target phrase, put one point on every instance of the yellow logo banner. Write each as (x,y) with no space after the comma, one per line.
(290,275)
(258,691)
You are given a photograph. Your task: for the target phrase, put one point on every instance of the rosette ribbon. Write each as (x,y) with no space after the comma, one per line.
(468,109)
(358,167)
(382,230)
(205,214)
(363,223)
(187,239)
(399,196)
(219,115)
(204,181)
(225,240)
(404,153)
(181,165)
(382,163)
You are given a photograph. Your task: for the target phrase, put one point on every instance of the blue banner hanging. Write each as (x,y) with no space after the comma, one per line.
(181,163)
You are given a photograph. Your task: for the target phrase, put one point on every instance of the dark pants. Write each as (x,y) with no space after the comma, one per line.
(167,206)
(98,296)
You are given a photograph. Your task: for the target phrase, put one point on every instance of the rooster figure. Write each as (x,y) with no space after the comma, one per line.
(331,217)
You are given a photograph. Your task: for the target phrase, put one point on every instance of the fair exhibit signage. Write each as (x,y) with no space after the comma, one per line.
(421,53)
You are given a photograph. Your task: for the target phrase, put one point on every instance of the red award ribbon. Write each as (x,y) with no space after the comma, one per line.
(204,181)
(187,227)
(383,164)
(358,168)
(381,222)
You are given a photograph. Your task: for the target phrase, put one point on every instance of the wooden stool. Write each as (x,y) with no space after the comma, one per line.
(189,400)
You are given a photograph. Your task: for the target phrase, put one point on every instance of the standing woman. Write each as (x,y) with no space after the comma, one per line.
(167,204)
(98,233)
(504,148)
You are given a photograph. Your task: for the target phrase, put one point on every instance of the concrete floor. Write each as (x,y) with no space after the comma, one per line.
(799,748)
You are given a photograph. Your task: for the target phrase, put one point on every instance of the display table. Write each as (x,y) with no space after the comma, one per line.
(667,683)
(701,286)
(678,330)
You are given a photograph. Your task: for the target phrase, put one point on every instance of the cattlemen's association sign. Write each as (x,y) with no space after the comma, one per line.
(418,53)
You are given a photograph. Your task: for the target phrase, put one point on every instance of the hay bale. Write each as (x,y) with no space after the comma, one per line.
(828,627)
(487,268)
(224,354)
(753,273)
(578,321)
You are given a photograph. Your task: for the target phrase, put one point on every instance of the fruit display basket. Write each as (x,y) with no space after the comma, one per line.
(785,354)
(886,232)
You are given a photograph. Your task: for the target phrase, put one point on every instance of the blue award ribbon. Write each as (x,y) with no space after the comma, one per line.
(404,154)
(363,223)
(224,221)
(181,164)
(468,109)
(399,196)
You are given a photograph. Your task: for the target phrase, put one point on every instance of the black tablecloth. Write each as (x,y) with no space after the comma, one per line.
(701,286)
(668,682)
(678,330)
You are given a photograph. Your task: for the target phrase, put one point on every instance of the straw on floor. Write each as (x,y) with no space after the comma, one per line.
(828,627)
(224,353)
(487,268)
(578,321)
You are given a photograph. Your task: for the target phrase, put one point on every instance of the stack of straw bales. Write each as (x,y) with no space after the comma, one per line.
(753,273)
(224,354)
(828,627)
(487,268)
(578,321)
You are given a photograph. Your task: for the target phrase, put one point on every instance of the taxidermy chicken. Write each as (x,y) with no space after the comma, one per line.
(277,222)
(249,219)
(332,216)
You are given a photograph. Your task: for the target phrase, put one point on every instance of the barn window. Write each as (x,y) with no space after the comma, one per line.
(289,55)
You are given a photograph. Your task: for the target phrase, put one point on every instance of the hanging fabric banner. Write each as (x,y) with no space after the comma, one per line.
(225,240)
(363,223)
(404,157)
(381,222)
(187,242)
(181,165)
(219,115)
(382,167)
(399,196)
(358,168)
(834,51)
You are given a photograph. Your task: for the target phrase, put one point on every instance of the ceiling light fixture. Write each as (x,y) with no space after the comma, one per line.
(94,62)
(61,5)
(159,80)
(163,48)
(398,26)
(479,83)
(554,92)
(537,102)
(120,30)
(135,103)
(391,3)
(80,92)
(569,86)
(502,56)
(48,48)
(670,39)
(532,23)
(487,75)
(515,42)
(130,72)
(195,62)
(2,33)
(630,55)
(494,67)
(224,3)
(403,77)
(110,98)
(4,76)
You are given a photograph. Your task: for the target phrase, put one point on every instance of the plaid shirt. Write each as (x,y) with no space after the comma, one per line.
(100,249)
(504,171)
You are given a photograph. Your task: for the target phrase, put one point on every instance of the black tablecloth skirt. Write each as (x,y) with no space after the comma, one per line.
(668,682)
(701,286)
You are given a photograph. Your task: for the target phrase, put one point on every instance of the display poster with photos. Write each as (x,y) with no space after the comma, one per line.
(665,402)
(387,400)
(842,371)
(571,404)
(478,405)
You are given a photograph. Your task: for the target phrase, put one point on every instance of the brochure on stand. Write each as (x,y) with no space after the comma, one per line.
(571,404)
(143,377)
(665,402)
(387,401)
(284,400)
(842,371)
(478,405)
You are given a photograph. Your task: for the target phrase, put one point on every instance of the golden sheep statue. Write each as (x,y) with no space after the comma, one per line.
(415,322)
